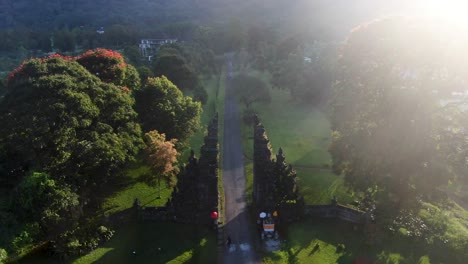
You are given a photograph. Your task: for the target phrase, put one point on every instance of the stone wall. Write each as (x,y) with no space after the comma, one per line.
(335,211)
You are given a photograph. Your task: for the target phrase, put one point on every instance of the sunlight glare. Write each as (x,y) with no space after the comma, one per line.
(454,10)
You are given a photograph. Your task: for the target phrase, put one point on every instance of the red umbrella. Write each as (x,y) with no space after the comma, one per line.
(214,215)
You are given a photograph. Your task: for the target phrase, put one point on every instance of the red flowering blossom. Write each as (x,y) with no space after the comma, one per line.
(107,65)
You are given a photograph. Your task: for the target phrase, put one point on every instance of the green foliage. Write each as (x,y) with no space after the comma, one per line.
(161,157)
(62,120)
(132,78)
(3,255)
(250,89)
(286,193)
(305,81)
(177,70)
(110,67)
(53,205)
(391,129)
(161,106)
(80,240)
(144,73)
(21,241)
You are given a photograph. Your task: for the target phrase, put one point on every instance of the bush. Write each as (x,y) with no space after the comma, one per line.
(21,241)
(105,233)
(3,255)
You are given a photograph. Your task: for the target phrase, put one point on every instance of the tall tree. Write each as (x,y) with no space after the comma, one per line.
(60,119)
(250,89)
(162,106)
(161,156)
(176,69)
(110,67)
(54,206)
(286,191)
(393,133)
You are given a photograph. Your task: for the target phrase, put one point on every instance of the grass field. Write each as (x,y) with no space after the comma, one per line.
(134,187)
(303,132)
(177,243)
(344,243)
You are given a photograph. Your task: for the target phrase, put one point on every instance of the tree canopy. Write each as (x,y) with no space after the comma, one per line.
(54,205)
(161,156)
(250,89)
(393,133)
(176,69)
(59,118)
(109,66)
(162,106)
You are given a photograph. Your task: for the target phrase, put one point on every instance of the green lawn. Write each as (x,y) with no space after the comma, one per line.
(303,237)
(134,187)
(303,132)
(178,243)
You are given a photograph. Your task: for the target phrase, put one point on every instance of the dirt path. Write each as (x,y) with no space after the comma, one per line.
(237,220)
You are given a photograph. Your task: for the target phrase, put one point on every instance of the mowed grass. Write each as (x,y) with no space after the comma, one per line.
(344,243)
(303,238)
(156,243)
(135,187)
(303,132)
(319,186)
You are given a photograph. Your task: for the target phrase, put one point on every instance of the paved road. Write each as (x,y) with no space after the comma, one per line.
(237,221)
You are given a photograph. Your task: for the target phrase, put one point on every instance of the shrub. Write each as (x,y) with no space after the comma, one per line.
(21,241)
(3,255)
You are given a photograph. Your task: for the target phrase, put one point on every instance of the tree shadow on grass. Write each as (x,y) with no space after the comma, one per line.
(149,242)
(333,233)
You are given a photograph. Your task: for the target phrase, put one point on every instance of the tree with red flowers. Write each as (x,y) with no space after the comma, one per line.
(110,67)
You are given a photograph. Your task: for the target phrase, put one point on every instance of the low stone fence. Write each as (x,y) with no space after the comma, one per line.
(335,211)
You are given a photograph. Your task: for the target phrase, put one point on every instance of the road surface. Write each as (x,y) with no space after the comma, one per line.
(237,221)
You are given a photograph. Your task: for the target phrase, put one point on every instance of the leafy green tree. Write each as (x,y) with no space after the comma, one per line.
(59,118)
(42,199)
(132,55)
(110,67)
(393,136)
(285,181)
(161,156)
(176,69)
(161,106)
(3,255)
(250,89)
(144,73)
